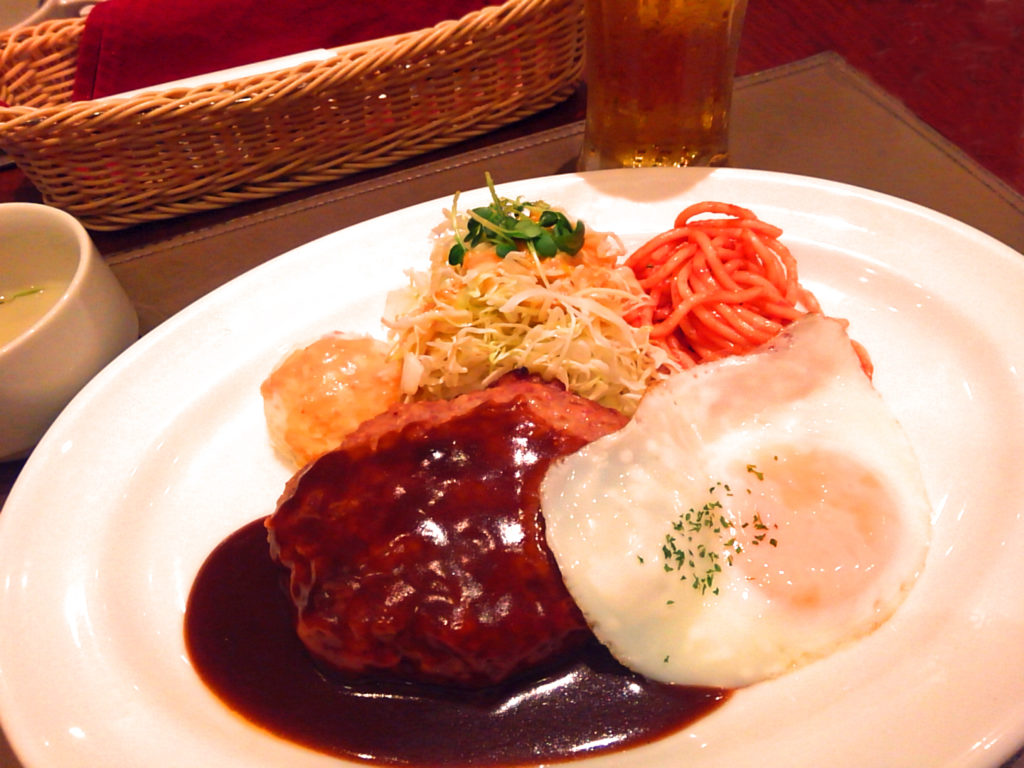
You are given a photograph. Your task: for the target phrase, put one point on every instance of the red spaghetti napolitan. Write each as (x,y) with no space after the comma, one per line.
(721,285)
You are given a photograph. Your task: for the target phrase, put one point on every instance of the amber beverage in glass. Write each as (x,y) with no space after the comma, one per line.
(659,81)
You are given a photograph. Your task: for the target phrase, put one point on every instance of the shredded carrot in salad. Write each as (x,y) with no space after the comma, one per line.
(567,318)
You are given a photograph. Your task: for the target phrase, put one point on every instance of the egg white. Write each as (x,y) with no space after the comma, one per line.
(755,514)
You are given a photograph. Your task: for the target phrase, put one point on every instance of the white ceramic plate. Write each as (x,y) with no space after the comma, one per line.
(165,454)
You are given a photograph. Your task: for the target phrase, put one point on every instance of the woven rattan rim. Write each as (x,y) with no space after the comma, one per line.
(114,162)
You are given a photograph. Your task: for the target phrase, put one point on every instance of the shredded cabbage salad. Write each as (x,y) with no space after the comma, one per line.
(460,327)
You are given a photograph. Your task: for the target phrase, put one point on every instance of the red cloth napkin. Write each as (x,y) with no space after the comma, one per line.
(129,44)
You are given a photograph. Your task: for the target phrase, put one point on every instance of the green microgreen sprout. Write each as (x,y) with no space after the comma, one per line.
(515,225)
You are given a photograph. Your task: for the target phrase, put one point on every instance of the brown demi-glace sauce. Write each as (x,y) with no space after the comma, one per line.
(240,636)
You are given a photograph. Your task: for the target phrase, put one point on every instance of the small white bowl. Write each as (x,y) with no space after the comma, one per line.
(69,336)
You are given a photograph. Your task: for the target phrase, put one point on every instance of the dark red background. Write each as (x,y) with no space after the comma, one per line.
(958,64)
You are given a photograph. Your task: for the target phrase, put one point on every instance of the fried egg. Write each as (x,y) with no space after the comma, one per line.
(756,514)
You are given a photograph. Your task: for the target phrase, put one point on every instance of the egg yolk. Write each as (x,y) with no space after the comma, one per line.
(815,528)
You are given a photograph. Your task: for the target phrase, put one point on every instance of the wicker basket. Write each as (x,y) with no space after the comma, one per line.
(114,163)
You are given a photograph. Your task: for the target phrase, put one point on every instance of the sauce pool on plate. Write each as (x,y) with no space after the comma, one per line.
(239,630)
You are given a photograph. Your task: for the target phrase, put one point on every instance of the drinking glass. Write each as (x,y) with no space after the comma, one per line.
(659,79)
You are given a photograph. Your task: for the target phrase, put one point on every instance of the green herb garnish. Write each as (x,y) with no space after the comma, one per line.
(20,294)
(515,225)
(694,559)
(696,562)
(759,525)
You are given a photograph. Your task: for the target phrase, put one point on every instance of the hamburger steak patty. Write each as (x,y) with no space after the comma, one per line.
(416,549)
